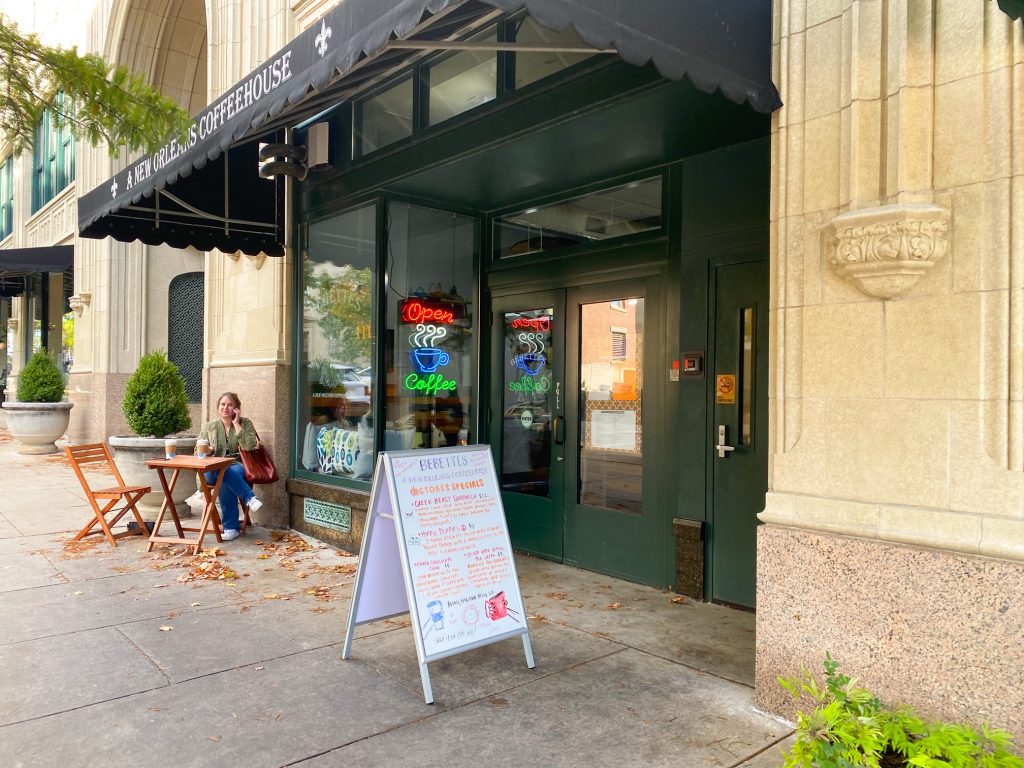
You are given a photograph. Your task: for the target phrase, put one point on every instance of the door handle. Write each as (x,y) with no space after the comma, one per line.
(723,448)
(558,430)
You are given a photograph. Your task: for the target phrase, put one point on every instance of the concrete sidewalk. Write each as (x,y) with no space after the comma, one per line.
(119,657)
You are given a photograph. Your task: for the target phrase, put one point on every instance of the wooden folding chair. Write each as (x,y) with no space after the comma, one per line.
(96,458)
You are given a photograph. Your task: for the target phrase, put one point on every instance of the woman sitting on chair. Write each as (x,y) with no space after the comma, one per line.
(225,435)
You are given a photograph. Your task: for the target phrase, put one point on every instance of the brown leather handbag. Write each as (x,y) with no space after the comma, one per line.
(259,467)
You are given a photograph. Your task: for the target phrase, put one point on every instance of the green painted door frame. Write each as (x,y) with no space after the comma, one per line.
(600,537)
(556,525)
(737,437)
(521,425)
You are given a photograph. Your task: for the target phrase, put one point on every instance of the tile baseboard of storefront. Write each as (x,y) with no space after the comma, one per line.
(356,501)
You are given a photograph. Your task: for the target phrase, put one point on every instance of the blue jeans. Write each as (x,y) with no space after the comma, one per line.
(234,489)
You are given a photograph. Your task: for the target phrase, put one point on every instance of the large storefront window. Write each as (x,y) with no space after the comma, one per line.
(338,332)
(429,342)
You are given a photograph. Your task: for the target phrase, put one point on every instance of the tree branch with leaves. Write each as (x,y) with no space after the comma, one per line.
(102,103)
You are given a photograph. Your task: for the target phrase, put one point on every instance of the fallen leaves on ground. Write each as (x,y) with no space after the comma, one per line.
(283,543)
(205,565)
(73,549)
(166,628)
(321,593)
(556,595)
(613,607)
(276,596)
(677,599)
(320,609)
(347,568)
(169,557)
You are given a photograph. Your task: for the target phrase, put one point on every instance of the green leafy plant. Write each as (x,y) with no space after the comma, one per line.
(155,402)
(850,727)
(40,380)
(100,103)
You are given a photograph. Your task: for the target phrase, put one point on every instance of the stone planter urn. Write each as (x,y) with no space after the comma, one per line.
(37,426)
(131,454)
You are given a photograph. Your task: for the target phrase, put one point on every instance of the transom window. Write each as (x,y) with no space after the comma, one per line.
(448,85)
(624,210)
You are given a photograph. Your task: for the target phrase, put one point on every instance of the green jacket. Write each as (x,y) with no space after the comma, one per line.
(214,432)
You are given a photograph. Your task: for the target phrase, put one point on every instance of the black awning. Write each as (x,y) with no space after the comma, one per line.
(17,263)
(55,258)
(717,44)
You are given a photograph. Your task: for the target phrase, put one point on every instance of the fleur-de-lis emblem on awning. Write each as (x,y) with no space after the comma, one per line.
(113,189)
(321,39)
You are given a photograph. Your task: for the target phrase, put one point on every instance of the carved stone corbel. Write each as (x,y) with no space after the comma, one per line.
(885,250)
(79,302)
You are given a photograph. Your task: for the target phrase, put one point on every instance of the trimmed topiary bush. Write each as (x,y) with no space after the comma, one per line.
(155,402)
(40,380)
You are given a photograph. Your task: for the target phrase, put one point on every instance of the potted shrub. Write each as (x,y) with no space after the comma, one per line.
(155,406)
(849,726)
(40,415)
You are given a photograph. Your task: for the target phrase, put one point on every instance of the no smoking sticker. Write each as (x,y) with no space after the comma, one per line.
(725,389)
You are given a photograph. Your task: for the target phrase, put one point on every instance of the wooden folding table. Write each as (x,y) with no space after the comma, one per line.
(200,467)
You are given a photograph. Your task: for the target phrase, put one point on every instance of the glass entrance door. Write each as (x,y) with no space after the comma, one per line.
(527,421)
(567,426)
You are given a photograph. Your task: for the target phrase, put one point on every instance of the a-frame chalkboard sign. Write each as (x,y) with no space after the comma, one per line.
(436,546)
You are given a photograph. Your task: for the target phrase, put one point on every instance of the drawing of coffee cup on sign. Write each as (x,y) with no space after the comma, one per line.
(497,608)
(436,613)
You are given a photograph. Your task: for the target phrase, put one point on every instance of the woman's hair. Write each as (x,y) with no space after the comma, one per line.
(233,396)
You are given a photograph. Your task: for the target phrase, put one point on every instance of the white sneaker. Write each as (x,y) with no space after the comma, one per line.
(254,504)
(229,534)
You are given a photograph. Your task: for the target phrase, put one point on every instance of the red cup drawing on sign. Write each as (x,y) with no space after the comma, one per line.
(497,608)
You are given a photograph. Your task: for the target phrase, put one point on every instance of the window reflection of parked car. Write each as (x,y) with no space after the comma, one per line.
(339,378)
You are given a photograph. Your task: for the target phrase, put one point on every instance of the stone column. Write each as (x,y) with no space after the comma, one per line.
(248,298)
(894,523)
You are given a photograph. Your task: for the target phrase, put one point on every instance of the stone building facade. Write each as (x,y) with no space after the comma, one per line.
(893,524)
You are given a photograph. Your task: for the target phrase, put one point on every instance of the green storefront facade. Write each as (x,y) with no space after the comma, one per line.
(501,235)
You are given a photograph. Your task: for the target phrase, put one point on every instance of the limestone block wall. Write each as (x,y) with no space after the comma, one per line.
(897,392)
(193,51)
